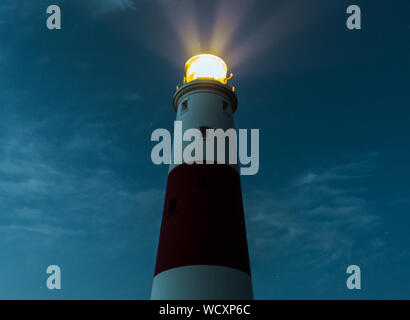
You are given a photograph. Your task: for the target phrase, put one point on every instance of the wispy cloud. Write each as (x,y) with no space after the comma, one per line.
(104,6)
(318,215)
(351,170)
(126,96)
(41,192)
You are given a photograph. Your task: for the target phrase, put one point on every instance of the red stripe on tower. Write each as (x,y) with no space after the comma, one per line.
(203,251)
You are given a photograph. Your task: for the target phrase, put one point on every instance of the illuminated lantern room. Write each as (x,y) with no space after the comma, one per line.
(206,67)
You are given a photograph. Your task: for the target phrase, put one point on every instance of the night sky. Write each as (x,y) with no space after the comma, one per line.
(78,106)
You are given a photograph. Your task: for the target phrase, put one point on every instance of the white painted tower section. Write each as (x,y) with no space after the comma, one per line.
(205,107)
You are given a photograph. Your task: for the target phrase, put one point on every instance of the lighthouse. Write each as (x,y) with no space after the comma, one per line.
(203,250)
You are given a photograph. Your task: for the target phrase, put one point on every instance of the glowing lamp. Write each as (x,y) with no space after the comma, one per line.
(206,67)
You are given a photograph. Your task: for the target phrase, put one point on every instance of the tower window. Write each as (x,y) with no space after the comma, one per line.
(204,182)
(184,106)
(203,131)
(225,107)
(172,206)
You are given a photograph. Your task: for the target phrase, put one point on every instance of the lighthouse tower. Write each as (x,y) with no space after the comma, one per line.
(203,251)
